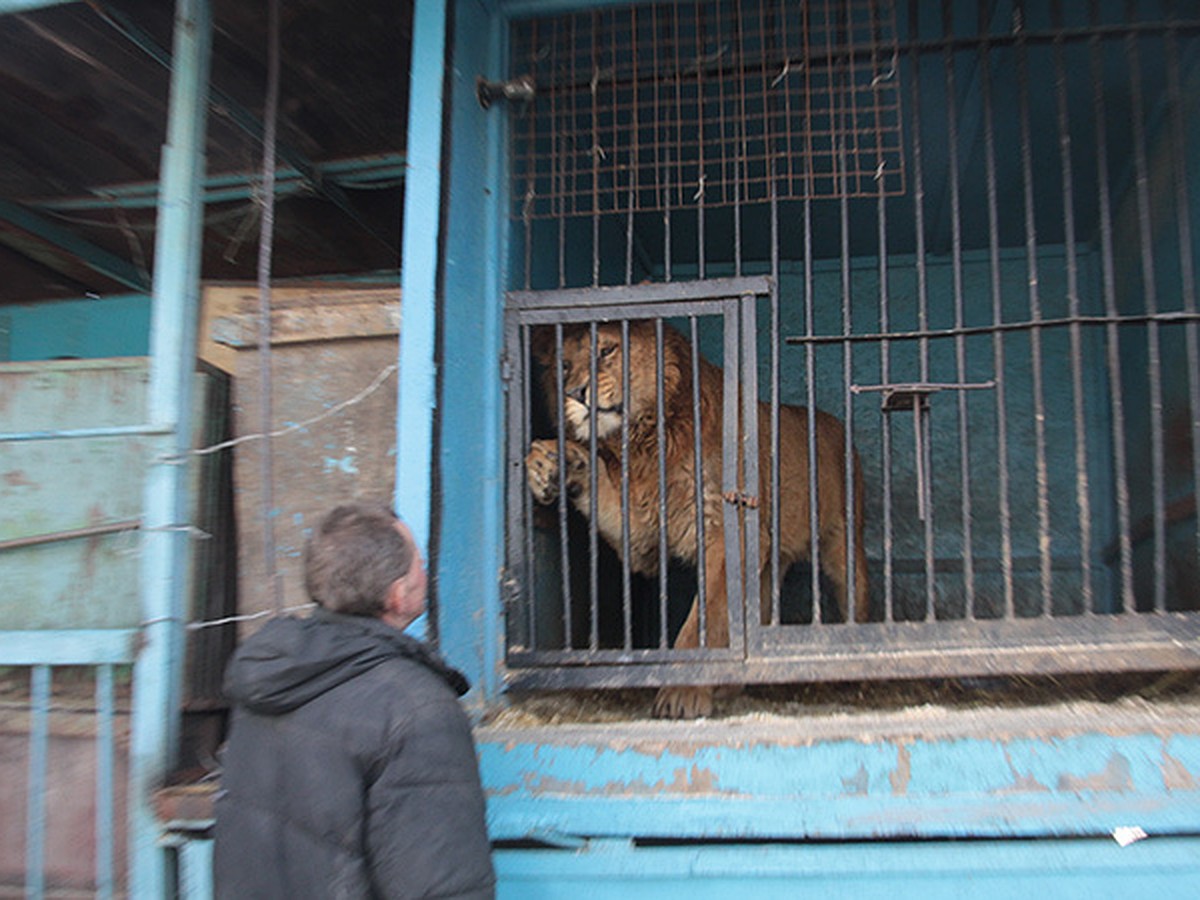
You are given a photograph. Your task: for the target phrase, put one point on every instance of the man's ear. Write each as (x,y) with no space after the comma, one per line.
(393,603)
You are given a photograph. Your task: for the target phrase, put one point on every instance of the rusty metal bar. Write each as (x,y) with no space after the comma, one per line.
(1150,293)
(626,587)
(661,435)
(698,463)
(997,318)
(593,501)
(563,494)
(36,540)
(1035,309)
(918,194)
(1183,216)
(960,349)
(1107,266)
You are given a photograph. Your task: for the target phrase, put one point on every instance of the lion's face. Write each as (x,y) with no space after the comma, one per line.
(602,404)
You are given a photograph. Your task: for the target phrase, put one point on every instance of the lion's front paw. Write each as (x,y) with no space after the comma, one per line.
(542,469)
(683,702)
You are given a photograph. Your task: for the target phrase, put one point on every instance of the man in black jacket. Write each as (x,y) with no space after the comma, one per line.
(350,770)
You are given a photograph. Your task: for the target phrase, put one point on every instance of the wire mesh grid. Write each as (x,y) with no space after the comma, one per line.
(677,105)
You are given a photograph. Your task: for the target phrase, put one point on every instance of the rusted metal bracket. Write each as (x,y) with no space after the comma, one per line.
(914,398)
(521,88)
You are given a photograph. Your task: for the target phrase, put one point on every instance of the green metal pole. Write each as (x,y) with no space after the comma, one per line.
(157,679)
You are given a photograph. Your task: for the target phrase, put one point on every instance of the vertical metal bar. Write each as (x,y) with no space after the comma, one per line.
(634,160)
(595,151)
(814,527)
(572,158)
(960,343)
(593,502)
(560,433)
(35,804)
(671,28)
(661,443)
(776,399)
(1113,349)
(922,295)
(748,447)
(526,501)
(698,464)
(699,198)
(1187,264)
(626,585)
(1082,491)
(731,451)
(104,780)
(989,143)
(1150,292)
(886,420)
(1035,312)
(157,690)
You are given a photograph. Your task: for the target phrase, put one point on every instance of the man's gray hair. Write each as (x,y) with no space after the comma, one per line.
(353,557)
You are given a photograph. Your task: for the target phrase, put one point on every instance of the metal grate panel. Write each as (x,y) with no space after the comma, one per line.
(705,104)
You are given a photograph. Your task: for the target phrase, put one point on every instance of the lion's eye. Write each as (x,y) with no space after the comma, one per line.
(607,350)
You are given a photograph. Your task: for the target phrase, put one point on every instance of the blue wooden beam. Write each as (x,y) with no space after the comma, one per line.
(61,250)
(18,6)
(417,383)
(157,683)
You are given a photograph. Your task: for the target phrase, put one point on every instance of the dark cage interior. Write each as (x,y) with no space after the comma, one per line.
(942,255)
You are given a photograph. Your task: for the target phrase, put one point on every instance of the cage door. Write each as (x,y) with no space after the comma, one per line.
(617,573)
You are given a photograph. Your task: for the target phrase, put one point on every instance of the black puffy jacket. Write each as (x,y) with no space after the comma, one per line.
(350,770)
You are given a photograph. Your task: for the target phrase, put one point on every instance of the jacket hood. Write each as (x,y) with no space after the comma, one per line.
(291,661)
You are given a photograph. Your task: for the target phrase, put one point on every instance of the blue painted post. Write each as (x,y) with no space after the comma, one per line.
(35,814)
(158,670)
(417,385)
(104,781)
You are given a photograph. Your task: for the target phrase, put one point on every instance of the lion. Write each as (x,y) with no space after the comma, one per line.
(603,407)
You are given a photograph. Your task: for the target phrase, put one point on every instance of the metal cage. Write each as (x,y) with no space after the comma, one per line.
(966,233)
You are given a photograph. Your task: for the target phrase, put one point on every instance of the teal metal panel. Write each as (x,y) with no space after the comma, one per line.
(931,774)
(58,486)
(993,869)
(85,328)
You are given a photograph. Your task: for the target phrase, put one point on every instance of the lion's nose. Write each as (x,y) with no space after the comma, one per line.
(578,394)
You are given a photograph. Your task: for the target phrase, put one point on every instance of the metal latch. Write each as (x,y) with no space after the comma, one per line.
(914,398)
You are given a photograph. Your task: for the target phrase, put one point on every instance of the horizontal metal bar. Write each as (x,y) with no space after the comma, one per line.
(361,173)
(68,647)
(615,313)
(53,537)
(921,387)
(1118,643)
(584,657)
(977,330)
(101,431)
(658,292)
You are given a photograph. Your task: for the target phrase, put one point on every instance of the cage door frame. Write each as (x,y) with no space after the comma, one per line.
(734,300)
